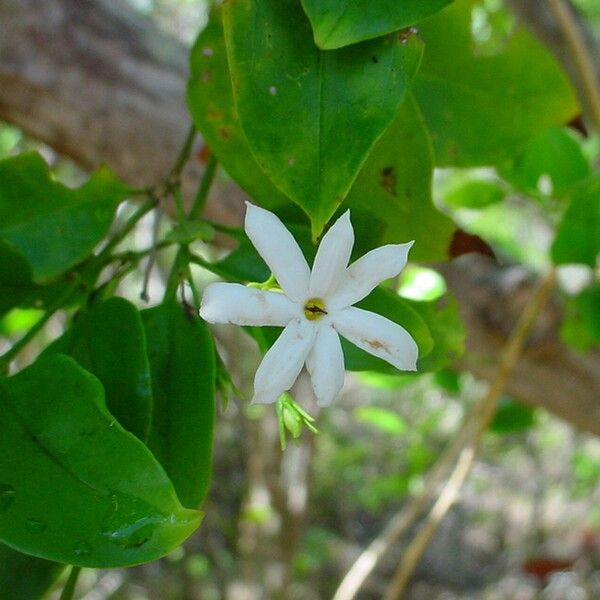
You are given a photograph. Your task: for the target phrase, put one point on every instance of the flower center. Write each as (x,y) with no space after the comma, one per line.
(314,309)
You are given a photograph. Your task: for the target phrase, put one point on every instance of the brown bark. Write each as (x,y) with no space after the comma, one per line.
(101,84)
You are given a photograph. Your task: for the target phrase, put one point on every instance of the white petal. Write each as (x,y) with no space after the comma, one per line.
(377,336)
(241,305)
(325,364)
(362,276)
(284,361)
(332,258)
(279,250)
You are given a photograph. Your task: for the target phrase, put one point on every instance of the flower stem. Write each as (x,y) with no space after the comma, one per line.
(69,589)
(203,188)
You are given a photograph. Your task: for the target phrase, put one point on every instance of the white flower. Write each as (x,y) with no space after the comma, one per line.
(314,307)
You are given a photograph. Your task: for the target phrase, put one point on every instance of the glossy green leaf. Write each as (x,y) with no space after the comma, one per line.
(182,362)
(54,227)
(391,197)
(310,116)
(210,100)
(75,487)
(578,236)
(551,163)
(479,107)
(108,340)
(338,23)
(24,577)
(16,278)
(512,416)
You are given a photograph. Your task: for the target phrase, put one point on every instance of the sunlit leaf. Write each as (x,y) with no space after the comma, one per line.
(338,23)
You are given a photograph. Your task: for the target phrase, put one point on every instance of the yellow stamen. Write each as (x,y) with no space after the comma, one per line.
(314,309)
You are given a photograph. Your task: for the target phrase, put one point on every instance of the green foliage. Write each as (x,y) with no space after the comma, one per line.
(210,100)
(336,24)
(581,328)
(556,154)
(468,191)
(391,197)
(578,236)
(182,363)
(381,418)
(299,120)
(108,340)
(512,416)
(480,108)
(76,487)
(56,227)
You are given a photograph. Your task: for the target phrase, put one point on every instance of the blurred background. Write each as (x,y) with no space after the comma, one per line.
(291,524)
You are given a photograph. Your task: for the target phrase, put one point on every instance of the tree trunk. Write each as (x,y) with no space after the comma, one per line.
(99,83)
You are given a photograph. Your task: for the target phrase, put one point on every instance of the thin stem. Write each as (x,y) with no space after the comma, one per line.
(198,260)
(182,157)
(69,589)
(203,188)
(583,61)
(485,411)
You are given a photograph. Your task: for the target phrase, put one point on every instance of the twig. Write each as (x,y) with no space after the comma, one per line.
(152,256)
(582,60)
(69,589)
(486,409)
(202,194)
(481,413)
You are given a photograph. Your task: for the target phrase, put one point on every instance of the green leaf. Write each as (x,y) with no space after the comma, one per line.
(109,341)
(24,577)
(578,236)
(391,197)
(54,227)
(557,155)
(303,109)
(182,362)
(381,418)
(210,100)
(338,23)
(190,231)
(473,192)
(512,416)
(16,278)
(75,486)
(581,327)
(479,108)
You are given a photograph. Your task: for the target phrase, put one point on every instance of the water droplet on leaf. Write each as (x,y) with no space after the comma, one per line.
(36,526)
(82,549)
(7,496)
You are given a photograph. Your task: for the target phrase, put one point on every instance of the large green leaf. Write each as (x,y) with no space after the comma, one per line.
(16,281)
(210,100)
(24,577)
(75,487)
(109,341)
(481,107)
(338,23)
(54,227)
(311,116)
(391,197)
(578,236)
(182,362)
